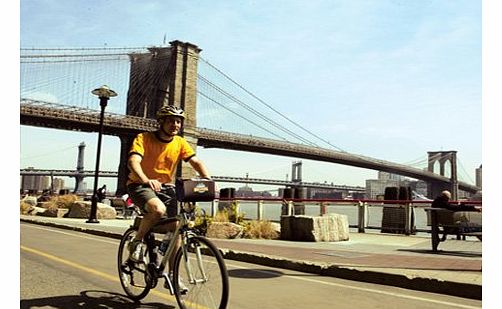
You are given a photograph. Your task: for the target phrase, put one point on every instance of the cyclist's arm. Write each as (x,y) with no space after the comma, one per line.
(199,166)
(134,164)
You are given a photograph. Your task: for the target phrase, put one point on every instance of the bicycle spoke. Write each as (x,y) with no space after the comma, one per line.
(209,287)
(133,276)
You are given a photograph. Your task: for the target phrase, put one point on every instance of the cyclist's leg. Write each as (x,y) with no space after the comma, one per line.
(154,210)
(168,198)
(151,206)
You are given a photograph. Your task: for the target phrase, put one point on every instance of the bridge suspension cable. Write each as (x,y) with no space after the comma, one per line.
(81,48)
(464,172)
(420,162)
(66,75)
(255,112)
(268,105)
(49,153)
(240,116)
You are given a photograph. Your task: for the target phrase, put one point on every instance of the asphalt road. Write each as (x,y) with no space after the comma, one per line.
(67,269)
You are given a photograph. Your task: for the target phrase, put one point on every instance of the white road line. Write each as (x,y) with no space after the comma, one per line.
(90,270)
(394,294)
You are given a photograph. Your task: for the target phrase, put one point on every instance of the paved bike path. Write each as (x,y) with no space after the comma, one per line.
(398,260)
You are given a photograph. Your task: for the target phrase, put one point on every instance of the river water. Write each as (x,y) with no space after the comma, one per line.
(272,212)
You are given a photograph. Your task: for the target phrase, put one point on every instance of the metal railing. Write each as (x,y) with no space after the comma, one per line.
(396,216)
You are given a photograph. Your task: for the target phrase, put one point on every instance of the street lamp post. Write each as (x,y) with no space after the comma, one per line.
(104,93)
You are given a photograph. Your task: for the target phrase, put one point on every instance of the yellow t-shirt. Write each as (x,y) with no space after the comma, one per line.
(160,157)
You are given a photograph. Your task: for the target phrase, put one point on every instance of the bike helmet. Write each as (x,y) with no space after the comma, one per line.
(170,110)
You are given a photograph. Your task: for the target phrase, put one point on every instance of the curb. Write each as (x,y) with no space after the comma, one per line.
(75,228)
(464,290)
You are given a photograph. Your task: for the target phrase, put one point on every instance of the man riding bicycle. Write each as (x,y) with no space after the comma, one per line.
(153,159)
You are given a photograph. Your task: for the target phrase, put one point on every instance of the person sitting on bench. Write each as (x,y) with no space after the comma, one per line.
(443,201)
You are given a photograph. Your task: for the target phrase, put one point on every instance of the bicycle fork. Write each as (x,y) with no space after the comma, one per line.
(188,265)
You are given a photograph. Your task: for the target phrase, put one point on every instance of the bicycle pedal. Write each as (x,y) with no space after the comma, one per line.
(153,283)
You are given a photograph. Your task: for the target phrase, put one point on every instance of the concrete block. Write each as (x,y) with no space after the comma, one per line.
(333,227)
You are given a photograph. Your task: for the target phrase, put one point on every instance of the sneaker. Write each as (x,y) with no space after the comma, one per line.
(136,251)
(183,287)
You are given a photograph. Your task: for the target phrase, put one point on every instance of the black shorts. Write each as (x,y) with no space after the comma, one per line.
(141,193)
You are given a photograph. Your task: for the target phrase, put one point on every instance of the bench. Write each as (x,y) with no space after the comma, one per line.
(453,223)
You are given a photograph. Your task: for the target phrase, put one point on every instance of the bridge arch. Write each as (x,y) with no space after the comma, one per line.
(447,162)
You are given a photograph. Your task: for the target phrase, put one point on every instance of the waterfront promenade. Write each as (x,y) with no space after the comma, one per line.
(398,260)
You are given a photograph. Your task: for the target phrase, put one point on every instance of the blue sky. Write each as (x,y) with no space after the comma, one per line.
(387,79)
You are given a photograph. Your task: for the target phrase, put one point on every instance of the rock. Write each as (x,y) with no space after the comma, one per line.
(332,227)
(224,230)
(62,212)
(106,211)
(82,209)
(50,212)
(31,200)
(44,198)
(277,227)
(34,210)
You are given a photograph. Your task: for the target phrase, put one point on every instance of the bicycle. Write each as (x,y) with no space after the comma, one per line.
(198,264)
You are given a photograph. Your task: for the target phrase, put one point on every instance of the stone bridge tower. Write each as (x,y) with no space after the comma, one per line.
(79,179)
(443,158)
(296,171)
(163,76)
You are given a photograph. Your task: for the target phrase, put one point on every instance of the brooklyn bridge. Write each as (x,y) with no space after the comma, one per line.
(169,75)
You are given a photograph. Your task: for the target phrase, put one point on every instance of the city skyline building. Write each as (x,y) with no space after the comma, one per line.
(58,184)
(375,188)
(479,176)
(35,183)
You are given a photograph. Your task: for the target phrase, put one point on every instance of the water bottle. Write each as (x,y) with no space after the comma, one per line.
(165,242)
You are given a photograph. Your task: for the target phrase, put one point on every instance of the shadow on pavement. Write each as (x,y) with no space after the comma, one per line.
(254,273)
(89,299)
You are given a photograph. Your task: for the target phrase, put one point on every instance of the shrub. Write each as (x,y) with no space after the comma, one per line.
(261,229)
(201,220)
(221,216)
(64,201)
(230,214)
(25,208)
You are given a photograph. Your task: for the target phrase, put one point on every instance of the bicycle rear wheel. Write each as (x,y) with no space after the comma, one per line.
(134,278)
(209,286)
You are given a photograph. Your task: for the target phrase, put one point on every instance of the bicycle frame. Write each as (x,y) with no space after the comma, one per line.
(202,279)
(182,230)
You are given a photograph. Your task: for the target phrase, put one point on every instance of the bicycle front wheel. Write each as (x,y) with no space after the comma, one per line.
(201,269)
(133,276)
